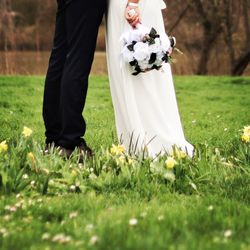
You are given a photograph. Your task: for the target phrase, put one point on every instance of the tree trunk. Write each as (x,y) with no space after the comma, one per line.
(181,16)
(241,64)
(211,30)
(203,62)
(209,38)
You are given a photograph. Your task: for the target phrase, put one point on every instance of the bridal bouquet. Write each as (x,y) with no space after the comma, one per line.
(145,50)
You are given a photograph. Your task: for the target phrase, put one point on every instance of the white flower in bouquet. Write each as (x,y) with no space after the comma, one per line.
(165,43)
(142,51)
(156,47)
(134,35)
(143,64)
(159,57)
(128,55)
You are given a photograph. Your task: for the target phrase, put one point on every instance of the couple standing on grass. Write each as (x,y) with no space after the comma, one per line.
(145,106)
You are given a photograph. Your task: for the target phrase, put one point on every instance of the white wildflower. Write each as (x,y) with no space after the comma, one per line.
(228,233)
(46,236)
(93,240)
(161,218)
(89,227)
(133,222)
(61,239)
(25,176)
(210,208)
(73,215)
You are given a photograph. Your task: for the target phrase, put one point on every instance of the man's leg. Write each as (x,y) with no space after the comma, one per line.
(51,104)
(82,21)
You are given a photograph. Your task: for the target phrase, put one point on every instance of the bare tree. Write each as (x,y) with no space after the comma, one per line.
(236,23)
(44,23)
(7,24)
(7,29)
(222,18)
(209,15)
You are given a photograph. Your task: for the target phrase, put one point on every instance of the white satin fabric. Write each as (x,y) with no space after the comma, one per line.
(145,105)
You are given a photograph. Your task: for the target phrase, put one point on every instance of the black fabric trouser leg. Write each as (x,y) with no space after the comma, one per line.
(51,99)
(65,92)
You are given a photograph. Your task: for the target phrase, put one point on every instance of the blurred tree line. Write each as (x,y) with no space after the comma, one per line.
(214,34)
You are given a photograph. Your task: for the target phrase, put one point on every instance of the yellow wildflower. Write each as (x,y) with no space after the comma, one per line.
(3,146)
(74,173)
(130,161)
(245,138)
(179,153)
(31,157)
(246,134)
(45,171)
(27,132)
(246,130)
(117,150)
(121,160)
(170,163)
(183,154)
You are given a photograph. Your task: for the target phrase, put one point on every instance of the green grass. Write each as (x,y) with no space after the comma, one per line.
(213,215)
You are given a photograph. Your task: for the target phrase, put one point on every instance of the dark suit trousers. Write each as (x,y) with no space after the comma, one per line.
(66,83)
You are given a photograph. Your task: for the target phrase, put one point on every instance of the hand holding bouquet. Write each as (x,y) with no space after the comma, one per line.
(145,50)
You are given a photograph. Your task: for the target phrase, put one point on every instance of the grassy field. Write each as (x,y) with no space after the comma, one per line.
(108,203)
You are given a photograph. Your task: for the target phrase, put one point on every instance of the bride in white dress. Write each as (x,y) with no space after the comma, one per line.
(146,111)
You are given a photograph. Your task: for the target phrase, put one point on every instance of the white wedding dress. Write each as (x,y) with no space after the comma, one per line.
(145,105)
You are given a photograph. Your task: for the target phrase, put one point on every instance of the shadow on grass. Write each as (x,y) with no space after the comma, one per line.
(241,81)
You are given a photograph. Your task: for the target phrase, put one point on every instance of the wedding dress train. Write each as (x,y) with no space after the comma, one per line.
(145,105)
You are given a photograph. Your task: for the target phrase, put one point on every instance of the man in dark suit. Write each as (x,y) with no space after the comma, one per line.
(66,83)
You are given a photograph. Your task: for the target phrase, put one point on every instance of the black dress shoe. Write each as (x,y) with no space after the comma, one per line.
(84,152)
(52,148)
(65,152)
(49,147)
